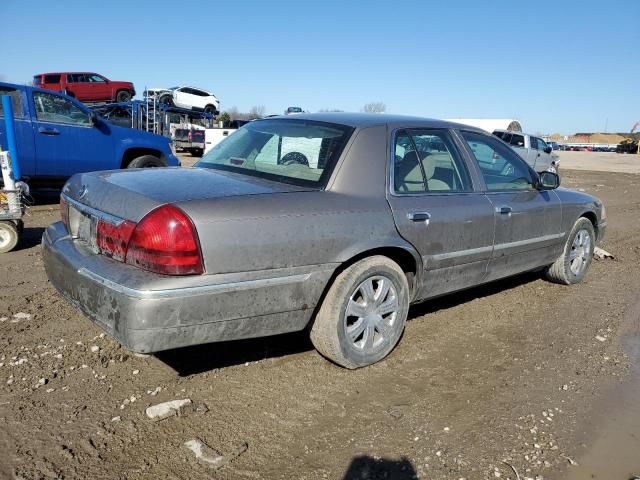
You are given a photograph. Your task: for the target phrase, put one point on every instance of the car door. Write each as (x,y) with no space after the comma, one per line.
(436,209)
(100,89)
(528,222)
(544,158)
(66,140)
(23,130)
(184,98)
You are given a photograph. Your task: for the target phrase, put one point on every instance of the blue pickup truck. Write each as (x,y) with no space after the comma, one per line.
(57,137)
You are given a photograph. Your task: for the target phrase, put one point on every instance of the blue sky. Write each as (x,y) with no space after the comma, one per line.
(558,66)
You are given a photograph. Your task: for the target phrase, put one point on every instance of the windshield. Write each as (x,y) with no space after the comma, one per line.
(300,152)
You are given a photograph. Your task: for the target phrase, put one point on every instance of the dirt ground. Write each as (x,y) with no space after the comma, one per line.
(506,376)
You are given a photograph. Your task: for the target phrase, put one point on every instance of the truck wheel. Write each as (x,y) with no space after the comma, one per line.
(571,267)
(8,236)
(363,314)
(146,161)
(123,96)
(210,109)
(197,152)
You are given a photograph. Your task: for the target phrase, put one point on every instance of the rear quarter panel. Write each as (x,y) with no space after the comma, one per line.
(578,204)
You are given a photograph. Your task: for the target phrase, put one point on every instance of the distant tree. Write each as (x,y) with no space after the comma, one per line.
(224,117)
(325,110)
(233,113)
(257,111)
(374,107)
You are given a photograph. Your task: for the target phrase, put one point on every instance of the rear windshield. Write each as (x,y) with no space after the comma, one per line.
(299,152)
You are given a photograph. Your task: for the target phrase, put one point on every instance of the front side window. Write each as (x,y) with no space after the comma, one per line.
(542,144)
(426,161)
(93,78)
(501,167)
(56,109)
(16,100)
(291,151)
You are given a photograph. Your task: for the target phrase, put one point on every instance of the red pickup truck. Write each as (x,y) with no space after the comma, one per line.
(86,86)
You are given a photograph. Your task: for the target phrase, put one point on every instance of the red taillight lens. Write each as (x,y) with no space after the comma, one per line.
(112,240)
(189,137)
(64,212)
(165,241)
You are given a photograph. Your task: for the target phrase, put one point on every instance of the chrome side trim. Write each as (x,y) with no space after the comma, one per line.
(529,241)
(191,291)
(461,253)
(111,219)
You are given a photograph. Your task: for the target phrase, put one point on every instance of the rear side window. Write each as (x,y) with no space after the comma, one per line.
(427,161)
(52,79)
(499,134)
(517,140)
(534,142)
(16,100)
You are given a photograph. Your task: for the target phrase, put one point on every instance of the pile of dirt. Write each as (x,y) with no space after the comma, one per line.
(606,138)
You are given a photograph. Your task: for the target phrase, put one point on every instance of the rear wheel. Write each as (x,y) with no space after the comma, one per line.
(123,96)
(571,267)
(363,314)
(146,161)
(210,109)
(166,99)
(8,236)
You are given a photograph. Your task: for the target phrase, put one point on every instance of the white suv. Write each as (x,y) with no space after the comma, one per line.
(187,97)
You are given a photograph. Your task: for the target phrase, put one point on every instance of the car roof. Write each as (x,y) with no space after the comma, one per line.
(519,133)
(363,120)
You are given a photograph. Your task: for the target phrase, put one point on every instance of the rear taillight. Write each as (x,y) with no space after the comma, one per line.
(189,137)
(112,240)
(64,212)
(165,241)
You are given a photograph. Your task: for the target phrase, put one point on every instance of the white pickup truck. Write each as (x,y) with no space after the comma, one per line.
(534,150)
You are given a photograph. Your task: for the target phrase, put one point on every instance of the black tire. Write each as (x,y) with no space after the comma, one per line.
(561,271)
(8,236)
(146,161)
(197,152)
(329,332)
(166,99)
(123,96)
(210,109)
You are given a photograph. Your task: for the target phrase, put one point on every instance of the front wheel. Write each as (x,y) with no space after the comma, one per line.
(146,161)
(363,314)
(571,267)
(123,96)
(210,109)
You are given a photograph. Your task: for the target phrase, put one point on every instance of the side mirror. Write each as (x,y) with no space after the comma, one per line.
(548,150)
(548,181)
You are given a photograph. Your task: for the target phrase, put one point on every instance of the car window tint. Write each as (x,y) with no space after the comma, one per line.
(96,78)
(442,168)
(534,142)
(52,78)
(517,140)
(501,167)
(498,134)
(298,152)
(407,172)
(506,137)
(16,100)
(56,109)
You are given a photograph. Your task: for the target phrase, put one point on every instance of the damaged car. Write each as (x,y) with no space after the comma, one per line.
(335,223)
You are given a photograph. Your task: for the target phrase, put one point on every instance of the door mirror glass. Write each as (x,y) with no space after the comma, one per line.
(548,181)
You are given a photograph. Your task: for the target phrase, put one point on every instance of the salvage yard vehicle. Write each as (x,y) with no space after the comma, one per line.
(333,222)
(534,150)
(186,97)
(86,86)
(57,137)
(190,140)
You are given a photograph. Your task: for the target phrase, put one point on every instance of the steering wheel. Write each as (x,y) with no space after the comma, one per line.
(294,157)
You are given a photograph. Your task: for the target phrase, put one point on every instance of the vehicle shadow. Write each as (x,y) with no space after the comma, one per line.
(29,238)
(202,358)
(369,468)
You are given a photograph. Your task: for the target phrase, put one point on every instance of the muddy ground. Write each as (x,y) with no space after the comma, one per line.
(510,373)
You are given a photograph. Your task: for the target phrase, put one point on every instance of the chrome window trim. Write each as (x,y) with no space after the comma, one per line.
(110,219)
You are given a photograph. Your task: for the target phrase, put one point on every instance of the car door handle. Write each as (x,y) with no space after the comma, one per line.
(419,216)
(504,210)
(49,131)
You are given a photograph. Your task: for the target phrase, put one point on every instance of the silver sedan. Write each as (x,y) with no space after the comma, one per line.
(331,222)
